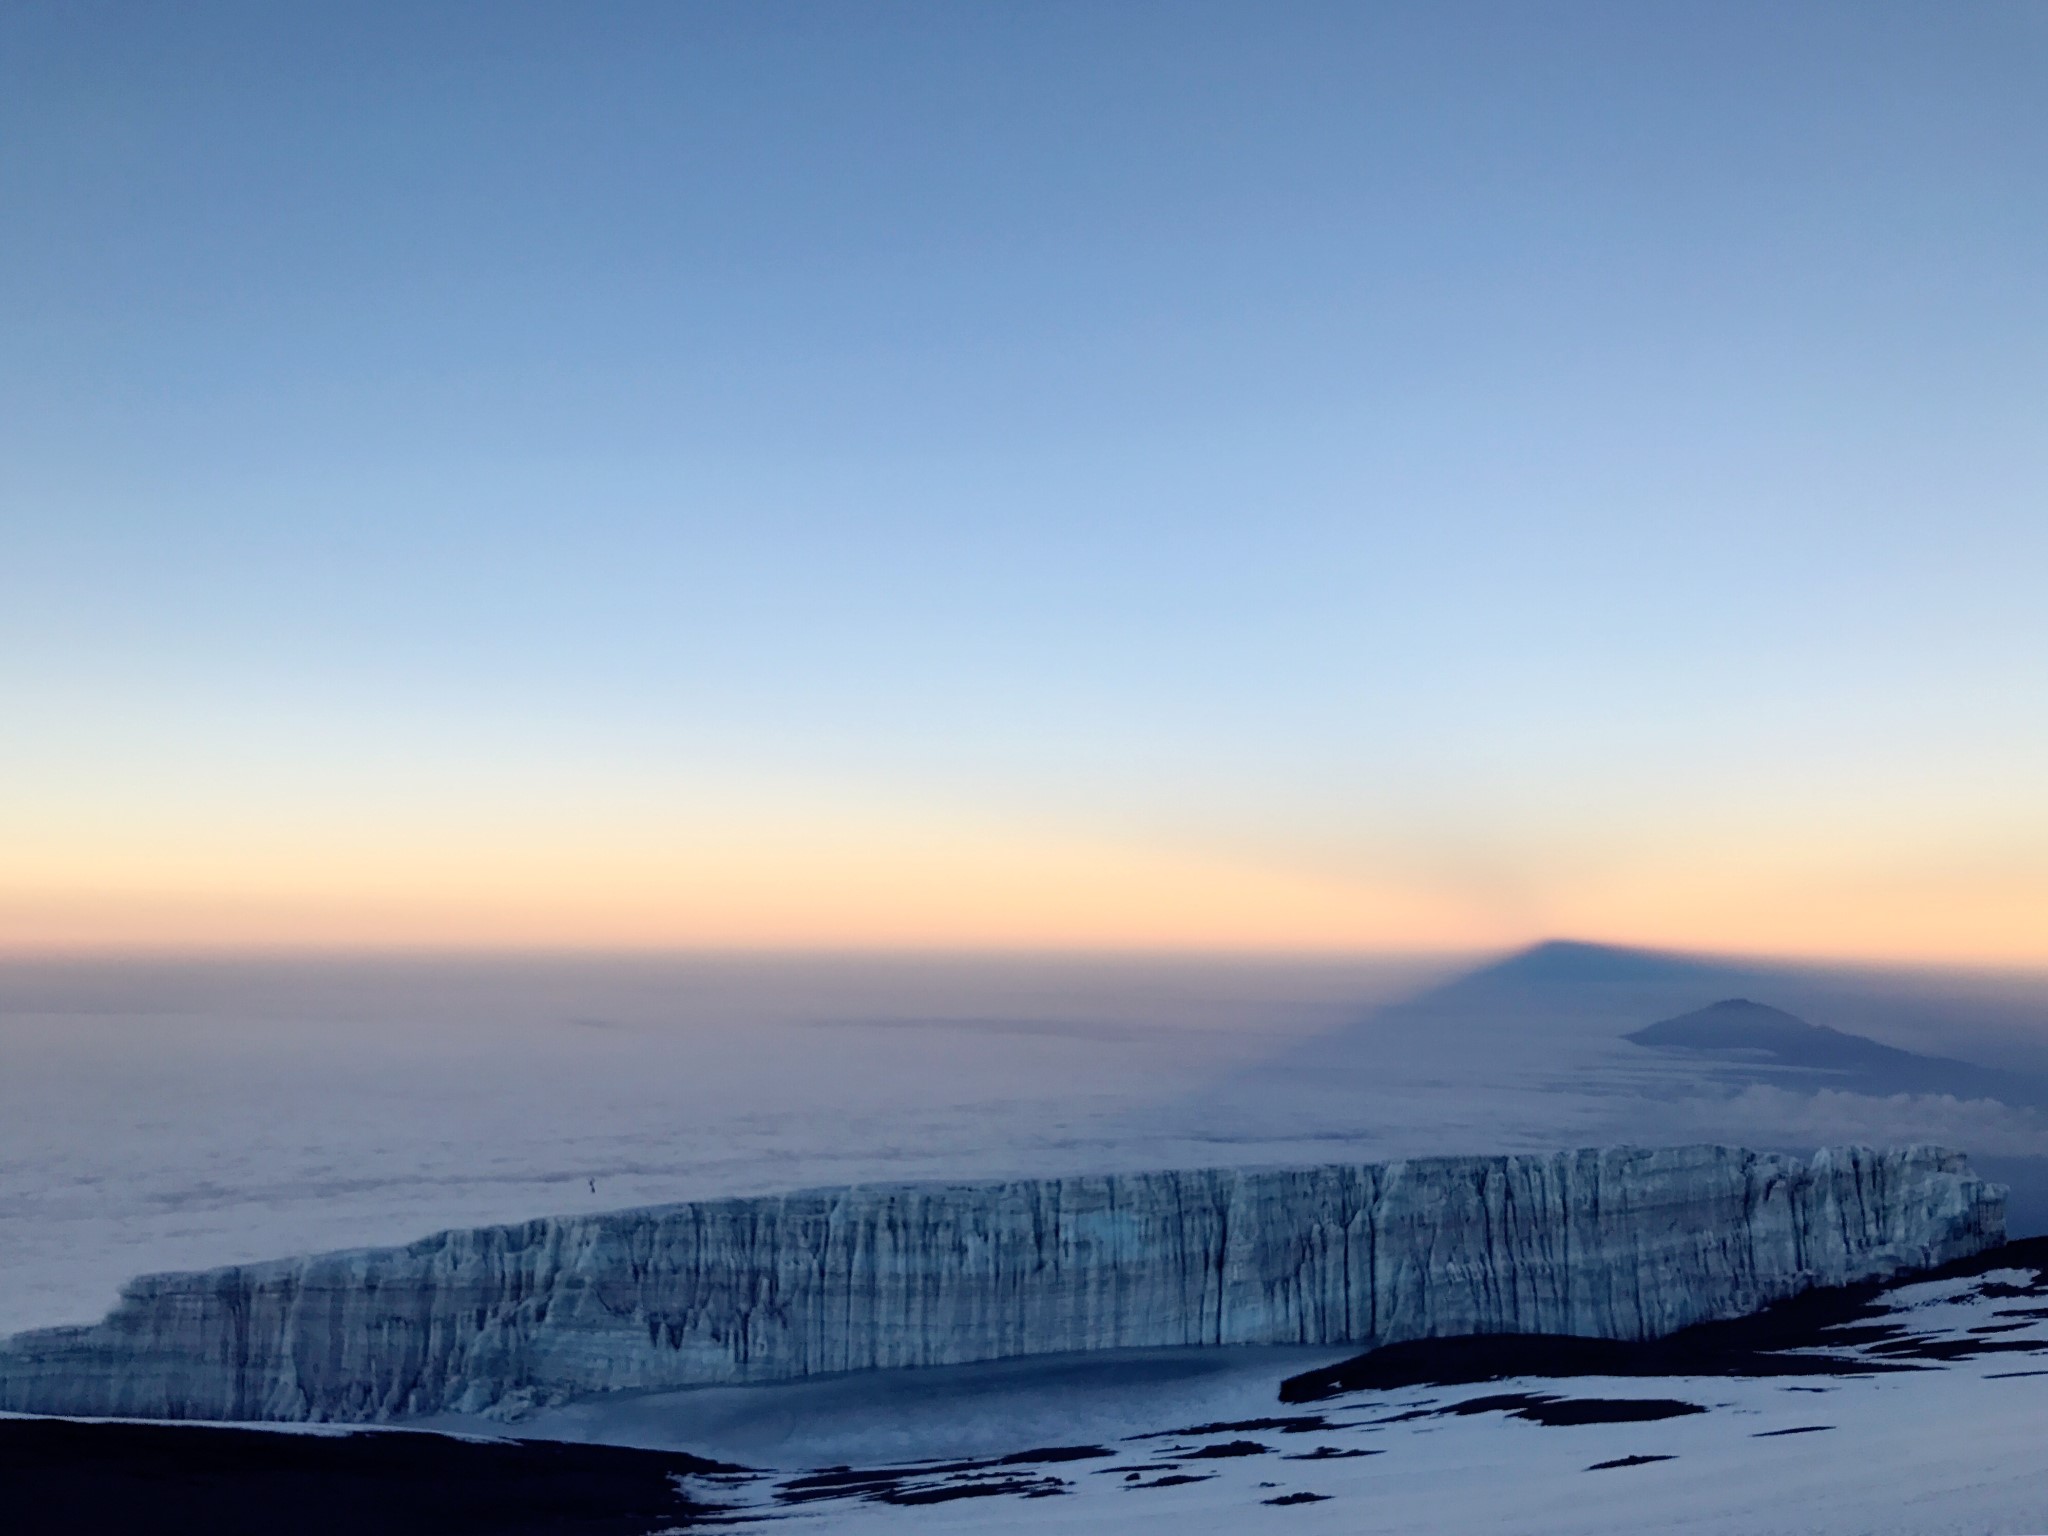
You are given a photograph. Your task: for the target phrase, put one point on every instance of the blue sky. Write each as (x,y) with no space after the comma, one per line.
(1412,474)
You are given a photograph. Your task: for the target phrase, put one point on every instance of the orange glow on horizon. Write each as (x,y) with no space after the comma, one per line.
(930,890)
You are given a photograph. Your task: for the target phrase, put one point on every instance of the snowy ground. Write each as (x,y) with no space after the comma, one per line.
(871,1418)
(1947,1446)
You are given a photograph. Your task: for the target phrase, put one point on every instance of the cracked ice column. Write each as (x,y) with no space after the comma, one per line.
(1621,1243)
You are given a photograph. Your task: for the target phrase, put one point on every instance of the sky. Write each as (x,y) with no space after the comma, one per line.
(1161,475)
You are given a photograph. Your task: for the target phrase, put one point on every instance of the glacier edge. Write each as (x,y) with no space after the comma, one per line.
(1619,1242)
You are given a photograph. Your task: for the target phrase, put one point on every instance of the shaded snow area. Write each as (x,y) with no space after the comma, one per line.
(1920,1411)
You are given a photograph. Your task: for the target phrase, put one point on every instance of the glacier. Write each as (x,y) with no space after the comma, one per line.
(1618,1242)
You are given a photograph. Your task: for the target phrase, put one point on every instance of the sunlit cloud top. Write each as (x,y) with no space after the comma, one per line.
(1299,476)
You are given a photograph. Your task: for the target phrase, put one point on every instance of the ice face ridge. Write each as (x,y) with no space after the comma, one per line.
(1620,1243)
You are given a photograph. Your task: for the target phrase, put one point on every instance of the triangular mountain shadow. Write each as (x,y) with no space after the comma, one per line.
(1574,1002)
(1549,1009)
(1572,988)
(1570,962)
(1568,1041)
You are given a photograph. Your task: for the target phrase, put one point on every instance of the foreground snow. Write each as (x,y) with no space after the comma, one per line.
(1946,1446)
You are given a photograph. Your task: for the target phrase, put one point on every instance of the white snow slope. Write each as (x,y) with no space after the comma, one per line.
(1949,1446)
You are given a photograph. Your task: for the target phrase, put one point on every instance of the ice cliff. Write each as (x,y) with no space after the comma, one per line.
(1621,1243)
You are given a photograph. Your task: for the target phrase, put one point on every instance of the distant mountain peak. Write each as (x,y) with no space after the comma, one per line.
(1738,1024)
(1730,1009)
(1738,1030)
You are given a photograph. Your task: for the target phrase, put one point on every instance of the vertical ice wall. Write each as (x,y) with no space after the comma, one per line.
(1615,1243)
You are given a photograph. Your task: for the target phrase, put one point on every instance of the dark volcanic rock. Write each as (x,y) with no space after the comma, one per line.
(939,1482)
(61,1477)
(1806,1336)
(1293,1424)
(1543,1408)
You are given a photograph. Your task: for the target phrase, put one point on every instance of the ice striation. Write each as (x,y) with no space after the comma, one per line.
(1619,1243)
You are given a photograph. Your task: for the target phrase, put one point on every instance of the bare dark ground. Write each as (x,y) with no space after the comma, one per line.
(886,1484)
(1627,1461)
(1297,1424)
(1543,1408)
(1818,1324)
(946,1493)
(64,1476)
